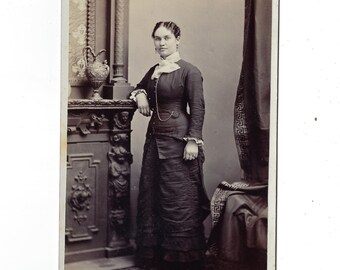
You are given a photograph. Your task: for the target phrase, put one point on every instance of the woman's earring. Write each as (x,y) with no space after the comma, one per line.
(177,47)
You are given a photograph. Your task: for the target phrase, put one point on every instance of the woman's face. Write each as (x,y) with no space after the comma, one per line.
(165,42)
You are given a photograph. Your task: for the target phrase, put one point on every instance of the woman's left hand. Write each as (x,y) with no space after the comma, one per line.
(190,150)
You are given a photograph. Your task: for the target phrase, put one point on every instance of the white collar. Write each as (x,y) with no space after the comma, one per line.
(172,57)
(166,65)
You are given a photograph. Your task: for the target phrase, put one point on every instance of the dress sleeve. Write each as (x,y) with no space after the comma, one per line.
(197,141)
(194,93)
(142,85)
(134,93)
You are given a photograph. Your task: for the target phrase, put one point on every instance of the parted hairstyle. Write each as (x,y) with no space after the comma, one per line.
(168,25)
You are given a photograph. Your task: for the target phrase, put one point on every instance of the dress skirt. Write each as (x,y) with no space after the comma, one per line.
(172,205)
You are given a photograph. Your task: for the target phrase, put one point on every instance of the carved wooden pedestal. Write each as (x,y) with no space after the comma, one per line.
(98,179)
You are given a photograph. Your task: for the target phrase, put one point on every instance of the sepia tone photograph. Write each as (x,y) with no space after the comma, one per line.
(170,142)
(76,156)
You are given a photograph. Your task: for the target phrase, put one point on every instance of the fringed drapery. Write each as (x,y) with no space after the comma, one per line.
(239,226)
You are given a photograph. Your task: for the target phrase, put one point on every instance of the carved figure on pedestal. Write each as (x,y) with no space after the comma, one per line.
(119,171)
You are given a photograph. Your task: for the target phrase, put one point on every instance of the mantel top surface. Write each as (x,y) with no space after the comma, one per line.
(101,104)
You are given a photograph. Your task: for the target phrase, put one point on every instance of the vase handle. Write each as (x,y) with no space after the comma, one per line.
(101,51)
(85,56)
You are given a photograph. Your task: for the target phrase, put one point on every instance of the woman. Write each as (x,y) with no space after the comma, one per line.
(172,203)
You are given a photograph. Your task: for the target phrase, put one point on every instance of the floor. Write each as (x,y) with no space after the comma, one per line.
(118,263)
(104,264)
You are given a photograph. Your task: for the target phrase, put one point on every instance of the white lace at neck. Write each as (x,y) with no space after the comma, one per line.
(166,65)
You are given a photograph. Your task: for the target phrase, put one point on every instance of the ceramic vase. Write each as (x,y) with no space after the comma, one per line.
(96,72)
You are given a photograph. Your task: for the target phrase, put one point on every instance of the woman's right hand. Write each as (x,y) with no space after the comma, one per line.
(143,104)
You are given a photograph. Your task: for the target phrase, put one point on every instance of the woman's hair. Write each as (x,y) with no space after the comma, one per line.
(168,25)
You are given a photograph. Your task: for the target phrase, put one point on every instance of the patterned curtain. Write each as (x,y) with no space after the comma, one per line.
(252,105)
(238,238)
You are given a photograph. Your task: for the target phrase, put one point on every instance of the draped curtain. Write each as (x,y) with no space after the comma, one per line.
(239,210)
(252,105)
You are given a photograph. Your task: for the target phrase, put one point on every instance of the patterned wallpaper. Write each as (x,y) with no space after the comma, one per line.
(77,40)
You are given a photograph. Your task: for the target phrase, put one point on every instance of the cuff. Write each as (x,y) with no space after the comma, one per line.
(134,94)
(198,141)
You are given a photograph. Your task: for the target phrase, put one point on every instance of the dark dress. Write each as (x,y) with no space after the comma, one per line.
(172,202)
